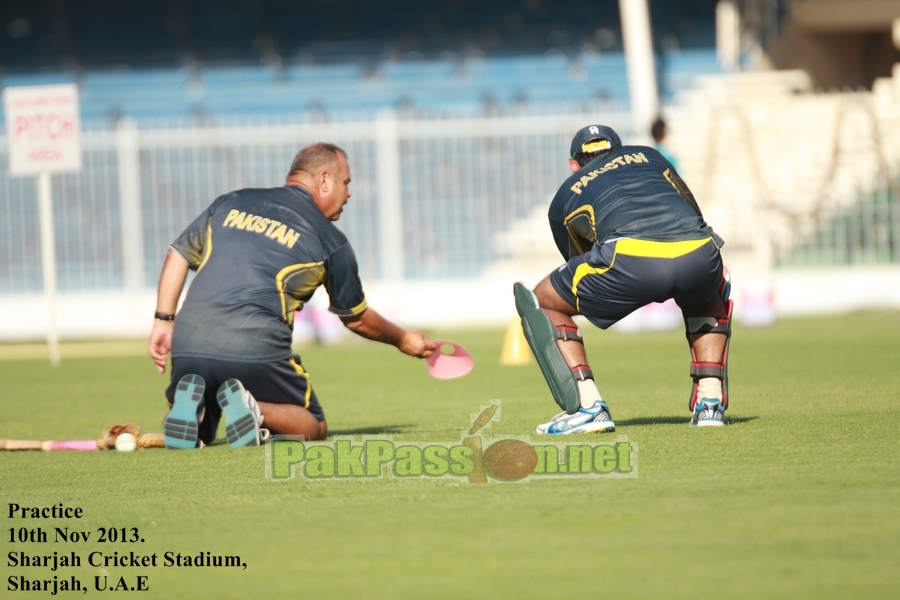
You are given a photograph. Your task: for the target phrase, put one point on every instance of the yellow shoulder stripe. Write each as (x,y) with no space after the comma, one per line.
(288,303)
(584,209)
(207,247)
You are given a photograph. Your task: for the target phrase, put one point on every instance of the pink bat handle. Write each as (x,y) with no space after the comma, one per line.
(73,445)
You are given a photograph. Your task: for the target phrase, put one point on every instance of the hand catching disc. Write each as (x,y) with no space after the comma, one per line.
(447,366)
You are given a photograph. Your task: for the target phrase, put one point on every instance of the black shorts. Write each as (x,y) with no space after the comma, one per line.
(282,382)
(616,278)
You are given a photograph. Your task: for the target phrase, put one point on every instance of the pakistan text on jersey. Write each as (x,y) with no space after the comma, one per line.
(271,228)
(619,161)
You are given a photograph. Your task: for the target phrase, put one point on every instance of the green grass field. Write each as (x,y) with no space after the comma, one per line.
(796,498)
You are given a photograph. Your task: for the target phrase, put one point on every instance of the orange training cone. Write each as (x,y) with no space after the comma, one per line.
(515,346)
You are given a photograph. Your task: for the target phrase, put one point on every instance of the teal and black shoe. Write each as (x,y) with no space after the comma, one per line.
(242,415)
(182,425)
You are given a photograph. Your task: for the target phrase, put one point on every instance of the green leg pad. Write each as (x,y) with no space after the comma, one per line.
(525,299)
(541,336)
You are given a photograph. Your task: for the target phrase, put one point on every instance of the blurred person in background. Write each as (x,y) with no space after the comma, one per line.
(658,132)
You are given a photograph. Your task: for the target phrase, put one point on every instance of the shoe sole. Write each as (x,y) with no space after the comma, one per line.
(241,428)
(590,427)
(708,423)
(180,427)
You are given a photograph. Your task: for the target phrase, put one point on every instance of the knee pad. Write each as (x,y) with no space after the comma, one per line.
(700,370)
(542,335)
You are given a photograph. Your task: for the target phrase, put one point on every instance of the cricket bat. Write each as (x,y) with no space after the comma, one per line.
(48,445)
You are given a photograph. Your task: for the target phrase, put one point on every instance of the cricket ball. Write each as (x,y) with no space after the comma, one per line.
(510,460)
(126,442)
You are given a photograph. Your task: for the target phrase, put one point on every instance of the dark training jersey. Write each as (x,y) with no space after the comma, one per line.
(259,255)
(629,192)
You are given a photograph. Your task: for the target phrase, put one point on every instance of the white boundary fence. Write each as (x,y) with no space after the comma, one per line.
(430,198)
(428,195)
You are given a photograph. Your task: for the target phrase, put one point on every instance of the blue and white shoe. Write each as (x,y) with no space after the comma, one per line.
(708,412)
(181,426)
(586,420)
(242,415)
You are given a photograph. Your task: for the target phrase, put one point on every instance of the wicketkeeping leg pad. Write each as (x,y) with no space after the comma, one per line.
(542,335)
(700,370)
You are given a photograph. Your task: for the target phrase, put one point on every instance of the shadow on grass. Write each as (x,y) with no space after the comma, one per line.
(373,430)
(682,420)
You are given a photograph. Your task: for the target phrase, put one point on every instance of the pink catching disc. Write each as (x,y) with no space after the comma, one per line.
(447,366)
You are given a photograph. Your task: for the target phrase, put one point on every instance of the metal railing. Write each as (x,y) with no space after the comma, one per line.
(865,233)
(429,195)
(433,198)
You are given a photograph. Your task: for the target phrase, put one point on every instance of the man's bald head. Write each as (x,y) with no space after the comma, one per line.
(316,158)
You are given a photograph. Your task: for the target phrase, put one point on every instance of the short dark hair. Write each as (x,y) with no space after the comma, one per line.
(315,158)
(658,129)
(586,157)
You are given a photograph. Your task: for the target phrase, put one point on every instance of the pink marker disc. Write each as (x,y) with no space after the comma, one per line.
(448,366)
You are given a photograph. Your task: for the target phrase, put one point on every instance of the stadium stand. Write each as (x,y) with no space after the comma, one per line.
(428,86)
(188,58)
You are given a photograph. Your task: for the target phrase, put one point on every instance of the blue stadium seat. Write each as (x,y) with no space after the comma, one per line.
(678,69)
(443,85)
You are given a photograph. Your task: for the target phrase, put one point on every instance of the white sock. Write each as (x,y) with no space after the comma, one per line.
(710,387)
(588,392)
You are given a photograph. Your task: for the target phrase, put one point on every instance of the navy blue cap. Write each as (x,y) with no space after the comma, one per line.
(594,138)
